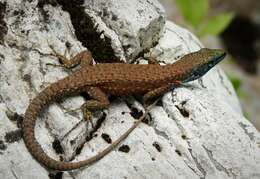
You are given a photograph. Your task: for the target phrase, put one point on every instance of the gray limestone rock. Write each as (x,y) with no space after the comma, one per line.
(197,131)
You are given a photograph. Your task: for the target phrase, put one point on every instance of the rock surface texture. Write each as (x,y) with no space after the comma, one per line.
(195,131)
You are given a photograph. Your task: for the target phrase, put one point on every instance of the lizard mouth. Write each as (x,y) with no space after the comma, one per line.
(216,59)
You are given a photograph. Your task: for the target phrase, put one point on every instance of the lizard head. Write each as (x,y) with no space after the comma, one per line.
(200,62)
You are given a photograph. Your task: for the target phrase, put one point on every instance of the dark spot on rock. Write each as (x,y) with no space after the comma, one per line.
(124,148)
(140,11)
(2,145)
(100,121)
(72,142)
(22,12)
(125,36)
(135,113)
(105,12)
(95,135)
(106,138)
(57,175)
(122,122)
(57,146)
(183,103)
(183,111)
(68,44)
(157,146)
(15,117)
(27,77)
(3,26)
(114,17)
(96,127)
(2,57)
(79,149)
(123,112)
(127,46)
(153,159)
(13,136)
(148,119)
(16,12)
(184,137)
(141,54)
(178,152)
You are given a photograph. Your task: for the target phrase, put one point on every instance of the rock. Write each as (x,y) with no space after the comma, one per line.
(196,131)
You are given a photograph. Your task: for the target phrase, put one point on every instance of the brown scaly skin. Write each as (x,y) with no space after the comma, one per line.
(152,80)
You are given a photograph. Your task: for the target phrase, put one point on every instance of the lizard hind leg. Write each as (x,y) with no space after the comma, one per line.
(83,59)
(98,101)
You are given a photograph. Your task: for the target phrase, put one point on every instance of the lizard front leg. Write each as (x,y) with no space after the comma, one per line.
(98,101)
(151,95)
(83,59)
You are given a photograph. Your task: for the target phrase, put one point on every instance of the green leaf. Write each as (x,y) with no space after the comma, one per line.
(237,83)
(216,24)
(193,11)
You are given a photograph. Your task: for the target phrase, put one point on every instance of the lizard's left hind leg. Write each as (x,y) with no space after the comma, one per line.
(98,101)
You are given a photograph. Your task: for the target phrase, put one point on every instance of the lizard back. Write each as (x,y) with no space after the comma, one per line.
(124,79)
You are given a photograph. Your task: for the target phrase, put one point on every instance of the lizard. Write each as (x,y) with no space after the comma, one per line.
(150,80)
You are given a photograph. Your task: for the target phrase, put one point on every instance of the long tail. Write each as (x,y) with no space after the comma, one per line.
(43,99)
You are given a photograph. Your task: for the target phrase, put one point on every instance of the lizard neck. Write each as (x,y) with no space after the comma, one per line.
(176,72)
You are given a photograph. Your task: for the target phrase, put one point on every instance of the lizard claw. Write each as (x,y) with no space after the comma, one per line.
(87,116)
(71,110)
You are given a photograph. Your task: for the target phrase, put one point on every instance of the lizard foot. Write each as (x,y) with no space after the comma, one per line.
(83,58)
(87,115)
(63,60)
